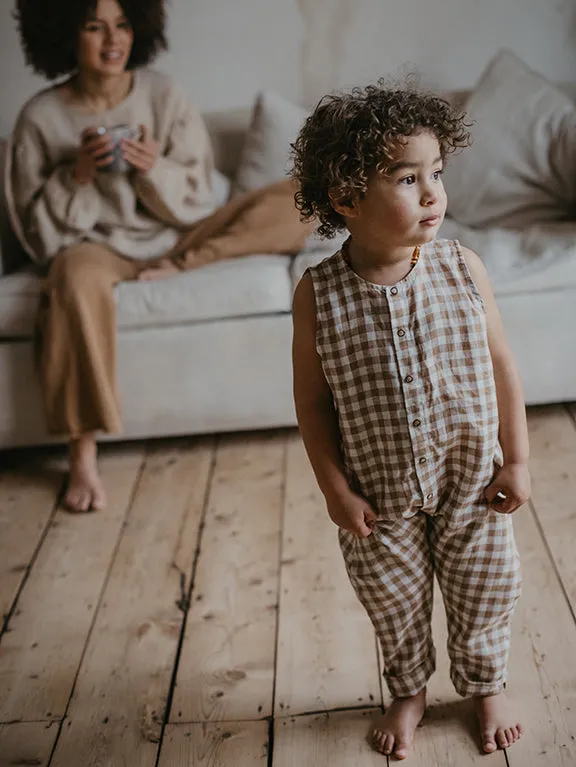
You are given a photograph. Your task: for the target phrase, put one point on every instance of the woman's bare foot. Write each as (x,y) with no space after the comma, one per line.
(151,275)
(498,723)
(159,270)
(85,491)
(394,732)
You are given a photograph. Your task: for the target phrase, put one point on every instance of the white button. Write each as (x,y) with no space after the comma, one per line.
(394,291)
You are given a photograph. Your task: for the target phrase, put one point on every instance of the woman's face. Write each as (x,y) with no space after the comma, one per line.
(105,41)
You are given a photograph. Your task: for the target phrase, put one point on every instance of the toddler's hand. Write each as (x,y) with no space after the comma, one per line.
(351,512)
(513,480)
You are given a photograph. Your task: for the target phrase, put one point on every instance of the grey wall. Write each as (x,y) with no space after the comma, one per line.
(224,51)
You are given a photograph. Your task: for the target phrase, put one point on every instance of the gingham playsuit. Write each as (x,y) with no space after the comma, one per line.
(413,385)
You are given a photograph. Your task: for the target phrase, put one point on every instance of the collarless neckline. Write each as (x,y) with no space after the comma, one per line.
(408,277)
(107,112)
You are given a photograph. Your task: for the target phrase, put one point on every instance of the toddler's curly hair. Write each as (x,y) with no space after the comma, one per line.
(49,32)
(351,135)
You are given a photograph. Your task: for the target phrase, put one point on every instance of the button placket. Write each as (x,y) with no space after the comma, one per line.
(399,319)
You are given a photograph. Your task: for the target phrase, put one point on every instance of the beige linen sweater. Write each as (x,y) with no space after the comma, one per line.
(139,215)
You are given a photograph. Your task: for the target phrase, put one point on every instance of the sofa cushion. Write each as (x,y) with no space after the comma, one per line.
(244,287)
(265,157)
(521,167)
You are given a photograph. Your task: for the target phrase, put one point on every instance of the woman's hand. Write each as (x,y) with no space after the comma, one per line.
(142,154)
(513,480)
(351,512)
(95,153)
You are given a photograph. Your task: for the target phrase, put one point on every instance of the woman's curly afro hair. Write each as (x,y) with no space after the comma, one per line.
(49,32)
(351,135)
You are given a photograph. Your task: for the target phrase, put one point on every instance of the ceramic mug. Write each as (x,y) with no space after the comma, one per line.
(116,134)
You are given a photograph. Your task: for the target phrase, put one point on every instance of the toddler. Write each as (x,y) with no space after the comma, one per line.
(409,402)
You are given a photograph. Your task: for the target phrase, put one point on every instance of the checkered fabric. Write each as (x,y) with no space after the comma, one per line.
(411,375)
(478,570)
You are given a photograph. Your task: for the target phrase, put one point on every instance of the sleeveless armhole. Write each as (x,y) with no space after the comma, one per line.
(468,280)
(310,272)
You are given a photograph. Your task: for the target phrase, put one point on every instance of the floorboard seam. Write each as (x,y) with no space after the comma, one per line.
(278,598)
(127,512)
(186,600)
(7,618)
(552,560)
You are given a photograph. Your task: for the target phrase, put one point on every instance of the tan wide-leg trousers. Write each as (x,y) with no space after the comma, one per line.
(76,328)
(76,339)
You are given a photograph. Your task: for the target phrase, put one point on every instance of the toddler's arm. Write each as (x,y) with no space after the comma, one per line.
(318,421)
(513,479)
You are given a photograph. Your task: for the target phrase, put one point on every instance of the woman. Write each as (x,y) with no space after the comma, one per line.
(94,228)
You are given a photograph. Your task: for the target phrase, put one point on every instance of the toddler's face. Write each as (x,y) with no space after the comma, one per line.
(406,206)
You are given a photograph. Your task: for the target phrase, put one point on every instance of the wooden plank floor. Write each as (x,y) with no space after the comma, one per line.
(205,617)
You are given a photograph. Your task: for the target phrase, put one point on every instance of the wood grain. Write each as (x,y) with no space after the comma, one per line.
(119,702)
(226,671)
(211,744)
(326,646)
(27,744)
(42,651)
(28,493)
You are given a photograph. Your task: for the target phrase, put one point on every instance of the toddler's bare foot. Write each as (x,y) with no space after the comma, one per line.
(85,491)
(394,732)
(498,723)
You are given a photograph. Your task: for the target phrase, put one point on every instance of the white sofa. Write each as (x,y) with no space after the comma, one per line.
(209,351)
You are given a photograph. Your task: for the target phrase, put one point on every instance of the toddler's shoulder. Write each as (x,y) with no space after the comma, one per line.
(325,271)
(325,263)
(445,256)
(445,248)
(326,278)
(455,255)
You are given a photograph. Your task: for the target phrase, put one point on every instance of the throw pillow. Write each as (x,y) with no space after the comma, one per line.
(274,126)
(521,167)
(220,188)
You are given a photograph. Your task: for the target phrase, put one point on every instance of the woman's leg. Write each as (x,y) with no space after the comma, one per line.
(76,358)
(263,221)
